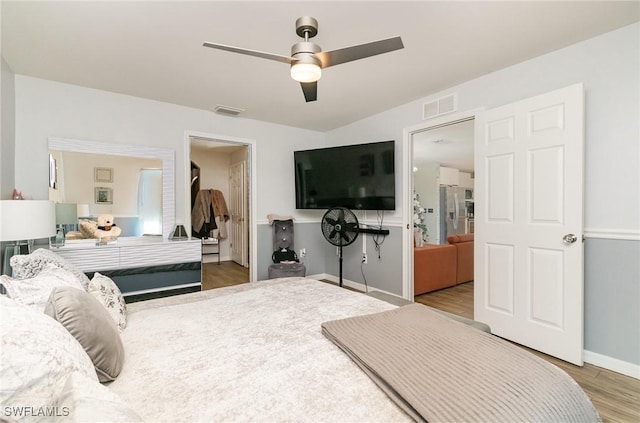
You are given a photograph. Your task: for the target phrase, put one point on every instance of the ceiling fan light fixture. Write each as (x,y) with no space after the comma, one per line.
(305,72)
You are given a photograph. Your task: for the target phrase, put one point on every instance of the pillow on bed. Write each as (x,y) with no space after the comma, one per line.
(86,400)
(34,291)
(107,292)
(88,321)
(30,265)
(36,356)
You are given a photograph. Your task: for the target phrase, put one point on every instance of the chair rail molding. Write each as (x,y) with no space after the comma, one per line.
(604,233)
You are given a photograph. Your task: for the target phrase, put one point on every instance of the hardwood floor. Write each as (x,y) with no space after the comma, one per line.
(227,273)
(615,396)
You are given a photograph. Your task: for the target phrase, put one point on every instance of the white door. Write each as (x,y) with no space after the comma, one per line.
(238,214)
(528,217)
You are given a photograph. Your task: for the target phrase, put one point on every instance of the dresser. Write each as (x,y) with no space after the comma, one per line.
(139,264)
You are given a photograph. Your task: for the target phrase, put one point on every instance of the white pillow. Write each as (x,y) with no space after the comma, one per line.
(85,400)
(109,295)
(30,265)
(37,355)
(34,292)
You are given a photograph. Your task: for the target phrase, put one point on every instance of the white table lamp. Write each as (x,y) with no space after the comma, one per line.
(25,220)
(83,210)
(66,214)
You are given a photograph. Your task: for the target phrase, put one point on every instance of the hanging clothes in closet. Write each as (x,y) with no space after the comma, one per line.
(209,212)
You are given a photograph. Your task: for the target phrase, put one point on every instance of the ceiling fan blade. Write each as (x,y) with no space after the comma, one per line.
(310,90)
(348,54)
(270,56)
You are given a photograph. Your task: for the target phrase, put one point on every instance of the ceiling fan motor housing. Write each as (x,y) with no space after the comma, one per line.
(305,52)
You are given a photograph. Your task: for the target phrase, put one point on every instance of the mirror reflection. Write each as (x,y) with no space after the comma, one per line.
(128,188)
(443,182)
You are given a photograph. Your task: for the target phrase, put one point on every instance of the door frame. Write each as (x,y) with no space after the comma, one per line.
(407,191)
(251,185)
(244,252)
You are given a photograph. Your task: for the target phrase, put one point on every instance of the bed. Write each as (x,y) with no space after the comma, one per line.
(250,352)
(271,351)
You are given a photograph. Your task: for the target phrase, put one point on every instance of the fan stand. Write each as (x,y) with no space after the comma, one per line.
(340,266)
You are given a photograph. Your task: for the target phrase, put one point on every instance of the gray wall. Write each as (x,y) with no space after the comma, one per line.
(609,68)
(383,273)
(306,235)
(7,136)
(612,293)
(7,126)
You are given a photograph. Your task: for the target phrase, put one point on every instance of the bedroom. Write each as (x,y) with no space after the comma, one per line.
(611,161)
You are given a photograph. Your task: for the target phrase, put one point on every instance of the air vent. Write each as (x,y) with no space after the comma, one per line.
(440,106)
(228,110)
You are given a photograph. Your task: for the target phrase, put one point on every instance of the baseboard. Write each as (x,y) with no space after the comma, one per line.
(613,364)
(348,283)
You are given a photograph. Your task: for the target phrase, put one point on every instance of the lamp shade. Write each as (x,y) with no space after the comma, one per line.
(66,214)
(26,219)
(83,210)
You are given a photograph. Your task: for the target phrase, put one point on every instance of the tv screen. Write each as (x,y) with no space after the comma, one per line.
(359,176)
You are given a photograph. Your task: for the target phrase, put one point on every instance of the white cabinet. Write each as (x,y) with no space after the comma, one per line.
(130,253)
(140,265)
(466,181)
(449,176)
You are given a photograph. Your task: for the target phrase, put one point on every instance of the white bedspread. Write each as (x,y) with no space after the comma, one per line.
(253,352)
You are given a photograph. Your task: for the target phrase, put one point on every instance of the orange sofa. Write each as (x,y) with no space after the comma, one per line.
(434,267)
(464,253)
(438,266)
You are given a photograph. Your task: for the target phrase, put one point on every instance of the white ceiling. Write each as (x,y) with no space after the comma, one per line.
(449,146)
(154,50)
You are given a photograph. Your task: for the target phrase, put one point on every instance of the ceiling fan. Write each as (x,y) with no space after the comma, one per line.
(307,59)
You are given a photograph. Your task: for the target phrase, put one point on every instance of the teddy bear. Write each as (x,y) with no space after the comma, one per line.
(101,229)
(105,223)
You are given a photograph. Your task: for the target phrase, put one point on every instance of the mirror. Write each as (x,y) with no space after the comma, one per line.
(451,147)
(133,183)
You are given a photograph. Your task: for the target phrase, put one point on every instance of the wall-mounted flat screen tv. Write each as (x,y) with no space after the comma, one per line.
(360,176)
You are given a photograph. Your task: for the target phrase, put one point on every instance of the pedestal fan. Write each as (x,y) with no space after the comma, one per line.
(340,227)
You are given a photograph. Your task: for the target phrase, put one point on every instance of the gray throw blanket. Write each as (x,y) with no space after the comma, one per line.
(440,370)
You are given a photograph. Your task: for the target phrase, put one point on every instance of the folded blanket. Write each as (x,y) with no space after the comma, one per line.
(440,370)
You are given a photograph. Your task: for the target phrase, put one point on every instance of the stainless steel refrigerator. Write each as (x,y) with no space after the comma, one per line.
(453,211)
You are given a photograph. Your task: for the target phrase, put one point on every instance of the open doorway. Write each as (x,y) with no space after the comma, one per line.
(442,192)
(220,213)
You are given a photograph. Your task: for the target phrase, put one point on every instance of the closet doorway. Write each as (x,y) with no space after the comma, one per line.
(444,142)
(220,213)
(443,174)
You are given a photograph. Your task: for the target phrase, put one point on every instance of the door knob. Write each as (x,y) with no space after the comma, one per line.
(569,239)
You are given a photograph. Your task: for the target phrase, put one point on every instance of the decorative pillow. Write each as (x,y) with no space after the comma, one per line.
(34,292)
(86,400)
(88,321)
(107,292)
(36,356)
(28,266)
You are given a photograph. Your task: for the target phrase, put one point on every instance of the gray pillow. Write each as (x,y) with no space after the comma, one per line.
(90,323)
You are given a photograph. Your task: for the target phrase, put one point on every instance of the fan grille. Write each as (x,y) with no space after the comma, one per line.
(340,226)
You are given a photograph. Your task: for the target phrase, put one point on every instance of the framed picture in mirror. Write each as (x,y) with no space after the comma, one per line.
(103,195)
(103,174)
